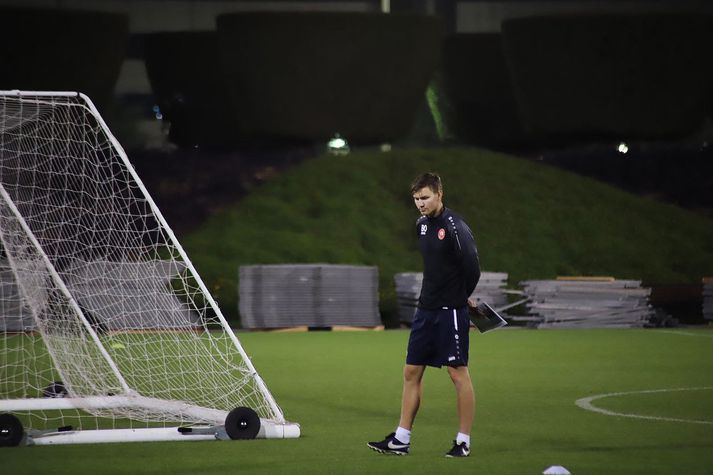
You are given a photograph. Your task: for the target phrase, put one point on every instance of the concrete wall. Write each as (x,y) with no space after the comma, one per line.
(147,16)
(486,16)
(470,16)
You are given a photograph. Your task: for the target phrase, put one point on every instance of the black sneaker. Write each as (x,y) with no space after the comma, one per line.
(390,445)
(459,450)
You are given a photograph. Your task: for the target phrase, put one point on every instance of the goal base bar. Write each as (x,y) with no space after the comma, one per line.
(268,430)
(103,436)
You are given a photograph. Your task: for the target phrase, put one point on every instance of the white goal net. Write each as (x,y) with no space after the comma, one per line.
(104,322)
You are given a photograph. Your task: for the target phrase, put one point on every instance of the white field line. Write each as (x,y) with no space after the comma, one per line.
(586,404)
(682,333)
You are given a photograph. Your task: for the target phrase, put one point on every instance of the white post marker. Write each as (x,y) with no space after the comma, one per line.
(556,470)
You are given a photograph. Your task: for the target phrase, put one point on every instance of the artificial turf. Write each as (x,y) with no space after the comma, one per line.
(344,389)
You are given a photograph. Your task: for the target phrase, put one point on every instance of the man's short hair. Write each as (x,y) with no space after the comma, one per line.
(430,180)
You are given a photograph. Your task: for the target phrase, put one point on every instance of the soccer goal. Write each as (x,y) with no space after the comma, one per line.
(107,332)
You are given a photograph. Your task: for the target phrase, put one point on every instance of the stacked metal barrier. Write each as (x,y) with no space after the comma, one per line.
(708,299)
(587,303)
(14,317)
(112,296)
(312,295)
(490,288)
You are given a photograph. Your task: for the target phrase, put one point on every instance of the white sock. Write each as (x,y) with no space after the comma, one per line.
(461,437)
(403,435)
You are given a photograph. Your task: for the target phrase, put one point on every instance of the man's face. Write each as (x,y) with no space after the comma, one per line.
(428,203)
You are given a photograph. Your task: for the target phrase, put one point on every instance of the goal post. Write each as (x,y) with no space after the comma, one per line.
(107,332)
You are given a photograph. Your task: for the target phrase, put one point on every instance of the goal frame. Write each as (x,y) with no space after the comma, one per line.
(278,428)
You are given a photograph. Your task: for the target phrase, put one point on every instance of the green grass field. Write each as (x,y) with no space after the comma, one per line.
(344,389)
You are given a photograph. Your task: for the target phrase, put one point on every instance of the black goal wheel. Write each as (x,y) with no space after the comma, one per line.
(10,430)
(55,389)
(242,423)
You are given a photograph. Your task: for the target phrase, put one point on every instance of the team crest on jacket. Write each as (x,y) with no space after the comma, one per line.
(441,234)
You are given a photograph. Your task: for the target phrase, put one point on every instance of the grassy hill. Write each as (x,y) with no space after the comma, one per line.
(530,220)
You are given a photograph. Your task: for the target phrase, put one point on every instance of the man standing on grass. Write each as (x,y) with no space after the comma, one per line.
(439,332)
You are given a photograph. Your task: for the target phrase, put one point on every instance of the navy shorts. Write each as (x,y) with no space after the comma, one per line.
(439,338)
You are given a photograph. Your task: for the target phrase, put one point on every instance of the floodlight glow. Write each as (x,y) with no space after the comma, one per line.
(337,145)
(622,148)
